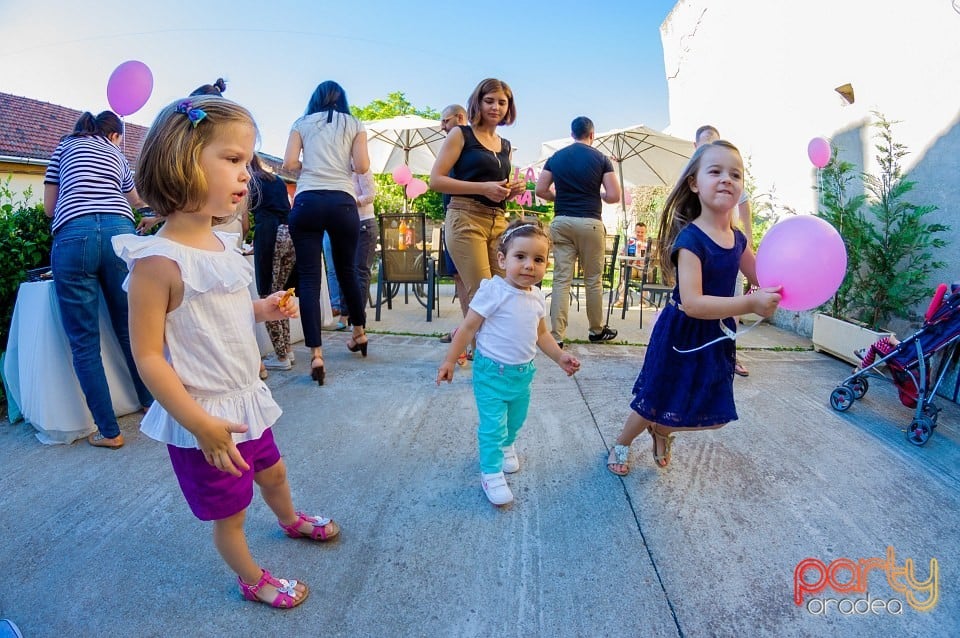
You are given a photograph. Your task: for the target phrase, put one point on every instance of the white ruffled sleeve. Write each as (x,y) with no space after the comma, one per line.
(202,270)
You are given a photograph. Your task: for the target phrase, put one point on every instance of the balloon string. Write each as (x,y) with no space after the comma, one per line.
(727,334)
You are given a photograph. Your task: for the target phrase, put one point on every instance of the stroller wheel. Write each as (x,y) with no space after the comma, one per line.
(859,387)
(919,431)
(932,412)
(841,398)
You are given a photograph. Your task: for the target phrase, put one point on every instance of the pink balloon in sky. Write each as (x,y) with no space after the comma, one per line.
(806,256)
(129,87)
(818,150)
(402,175)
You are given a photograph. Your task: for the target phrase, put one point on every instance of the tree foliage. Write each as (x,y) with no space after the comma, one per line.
(890,245)
(394,104)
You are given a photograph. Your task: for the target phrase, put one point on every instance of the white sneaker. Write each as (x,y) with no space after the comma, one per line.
(273,363)
(511,463)
(496,489)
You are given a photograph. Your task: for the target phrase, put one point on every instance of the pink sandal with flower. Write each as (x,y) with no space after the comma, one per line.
(287,595)
(319,531)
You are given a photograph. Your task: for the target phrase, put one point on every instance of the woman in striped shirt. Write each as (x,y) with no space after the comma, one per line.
(89,191)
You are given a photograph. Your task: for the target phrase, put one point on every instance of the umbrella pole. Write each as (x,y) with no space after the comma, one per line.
(623,200)
(406,162)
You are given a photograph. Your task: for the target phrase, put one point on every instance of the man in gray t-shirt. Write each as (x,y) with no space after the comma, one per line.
(572,178)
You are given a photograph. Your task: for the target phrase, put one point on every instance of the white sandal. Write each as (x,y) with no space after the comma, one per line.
(621,455)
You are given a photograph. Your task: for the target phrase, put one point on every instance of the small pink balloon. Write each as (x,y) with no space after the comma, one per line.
(416,188)
(806,256)
(129,87)
(819,152)
(628,199)
(402,175)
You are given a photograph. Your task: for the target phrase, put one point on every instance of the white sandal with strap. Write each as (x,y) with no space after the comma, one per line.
(621,455)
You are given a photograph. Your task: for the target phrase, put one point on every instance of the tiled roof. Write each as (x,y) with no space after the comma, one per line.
(31,129)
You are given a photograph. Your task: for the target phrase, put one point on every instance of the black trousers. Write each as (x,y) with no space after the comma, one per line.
(333,212)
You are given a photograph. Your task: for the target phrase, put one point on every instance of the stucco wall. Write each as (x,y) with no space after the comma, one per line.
(19,182)
(764,72)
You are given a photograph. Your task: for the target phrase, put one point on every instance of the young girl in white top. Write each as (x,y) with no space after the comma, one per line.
(191,328)
(507,317)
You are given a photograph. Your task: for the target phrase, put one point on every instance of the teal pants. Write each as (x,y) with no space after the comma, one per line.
(503,398)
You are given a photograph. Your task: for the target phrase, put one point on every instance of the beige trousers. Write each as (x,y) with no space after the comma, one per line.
(472,233)
(572,237)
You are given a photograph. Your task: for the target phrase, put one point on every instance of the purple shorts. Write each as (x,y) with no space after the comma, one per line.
(212,494)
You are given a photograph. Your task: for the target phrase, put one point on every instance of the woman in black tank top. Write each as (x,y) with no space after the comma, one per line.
(473,166)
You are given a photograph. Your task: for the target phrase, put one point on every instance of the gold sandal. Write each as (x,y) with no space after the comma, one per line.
(662,459)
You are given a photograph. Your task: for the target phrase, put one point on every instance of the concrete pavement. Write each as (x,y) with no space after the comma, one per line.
(100,543)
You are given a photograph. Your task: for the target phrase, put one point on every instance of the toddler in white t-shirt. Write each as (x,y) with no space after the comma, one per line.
(507,317)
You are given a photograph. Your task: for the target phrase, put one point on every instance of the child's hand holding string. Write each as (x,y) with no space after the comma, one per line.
(765,300)
(218,448)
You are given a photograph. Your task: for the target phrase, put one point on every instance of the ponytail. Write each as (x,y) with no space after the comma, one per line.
(86,125)
(103,125)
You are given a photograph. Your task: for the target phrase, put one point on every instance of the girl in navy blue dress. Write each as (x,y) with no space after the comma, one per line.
(684,384)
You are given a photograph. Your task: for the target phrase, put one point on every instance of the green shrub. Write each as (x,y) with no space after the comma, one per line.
(24,243)
(891,245)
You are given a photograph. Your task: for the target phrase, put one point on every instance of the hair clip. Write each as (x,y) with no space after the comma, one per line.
(194,115)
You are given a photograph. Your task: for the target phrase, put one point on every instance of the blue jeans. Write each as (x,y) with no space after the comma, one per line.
(366,254)
(85,265)
(336,299)
(313,214)
(502,393)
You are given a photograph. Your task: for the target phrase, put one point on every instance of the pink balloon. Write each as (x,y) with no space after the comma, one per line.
(628,199)
(129,87)
(819,152)
(806,256)
(402,175)
(416,188)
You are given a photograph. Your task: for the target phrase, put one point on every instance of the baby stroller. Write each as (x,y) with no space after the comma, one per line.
(909,363)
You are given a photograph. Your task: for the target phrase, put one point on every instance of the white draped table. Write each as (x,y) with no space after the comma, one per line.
(38,368)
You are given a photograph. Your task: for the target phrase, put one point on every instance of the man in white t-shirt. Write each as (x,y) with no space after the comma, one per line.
(742,217)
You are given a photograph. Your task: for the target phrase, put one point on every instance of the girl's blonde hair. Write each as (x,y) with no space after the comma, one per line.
(682,207)
(169,177)
(522,227)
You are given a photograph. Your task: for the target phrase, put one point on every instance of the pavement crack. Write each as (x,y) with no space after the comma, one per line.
(633,511)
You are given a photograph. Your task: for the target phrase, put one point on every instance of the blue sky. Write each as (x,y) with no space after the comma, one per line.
(562,59)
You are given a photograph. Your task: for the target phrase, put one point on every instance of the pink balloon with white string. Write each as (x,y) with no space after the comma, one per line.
(804,255)
(129,87)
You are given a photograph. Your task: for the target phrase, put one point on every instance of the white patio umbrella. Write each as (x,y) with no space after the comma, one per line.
(408,140)
(642,156)
(405,139)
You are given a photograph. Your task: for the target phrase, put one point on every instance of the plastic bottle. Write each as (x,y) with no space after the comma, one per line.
(402,236)
(408,236)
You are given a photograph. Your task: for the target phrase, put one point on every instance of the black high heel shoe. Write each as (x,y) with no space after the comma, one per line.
(357,347)
(317,373)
